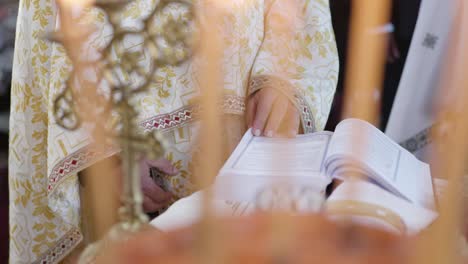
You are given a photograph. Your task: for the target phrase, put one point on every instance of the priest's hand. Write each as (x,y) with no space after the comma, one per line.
(154,196)
(393,53)
(270,113)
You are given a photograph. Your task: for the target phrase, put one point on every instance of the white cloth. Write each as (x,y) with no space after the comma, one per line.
(188,211)
(412,113)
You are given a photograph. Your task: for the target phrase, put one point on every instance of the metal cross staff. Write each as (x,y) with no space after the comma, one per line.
(168,42)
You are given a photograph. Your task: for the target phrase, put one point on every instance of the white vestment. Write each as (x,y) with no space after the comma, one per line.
(45,213)
(412,114)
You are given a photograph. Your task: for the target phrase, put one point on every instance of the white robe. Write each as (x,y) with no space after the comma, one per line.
(45,158)
(412,114)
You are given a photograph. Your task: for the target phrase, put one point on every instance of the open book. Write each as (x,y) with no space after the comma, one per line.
(394,191)
(356,148)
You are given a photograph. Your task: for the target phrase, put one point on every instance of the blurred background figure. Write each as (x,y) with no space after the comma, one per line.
(404,16)
(413,114)
(400,31)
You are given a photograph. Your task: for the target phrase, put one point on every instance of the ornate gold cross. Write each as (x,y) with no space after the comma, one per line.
(118,71)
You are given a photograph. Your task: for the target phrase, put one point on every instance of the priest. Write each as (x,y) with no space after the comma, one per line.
(284,92)
(413,115)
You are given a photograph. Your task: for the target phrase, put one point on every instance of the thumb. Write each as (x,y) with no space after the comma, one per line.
(164,166)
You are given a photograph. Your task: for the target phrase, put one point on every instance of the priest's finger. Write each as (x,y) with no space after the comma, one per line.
(154,191)
(292,121)
(163,165)
(251,107)
(264,105)
(149,206)
(278,112)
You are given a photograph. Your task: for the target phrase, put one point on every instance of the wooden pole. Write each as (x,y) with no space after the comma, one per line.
(210,55)
(367,51)
(451,149)
(100,190)
(365,67)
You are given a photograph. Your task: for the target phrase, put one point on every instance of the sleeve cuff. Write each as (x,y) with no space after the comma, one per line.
(258,82)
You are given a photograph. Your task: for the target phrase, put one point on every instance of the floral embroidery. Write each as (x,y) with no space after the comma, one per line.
(45,158)
(62,248)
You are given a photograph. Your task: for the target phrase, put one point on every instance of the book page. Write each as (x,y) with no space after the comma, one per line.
(300,156)
(252,188)
(379,153)
(259,163)
(380,159)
